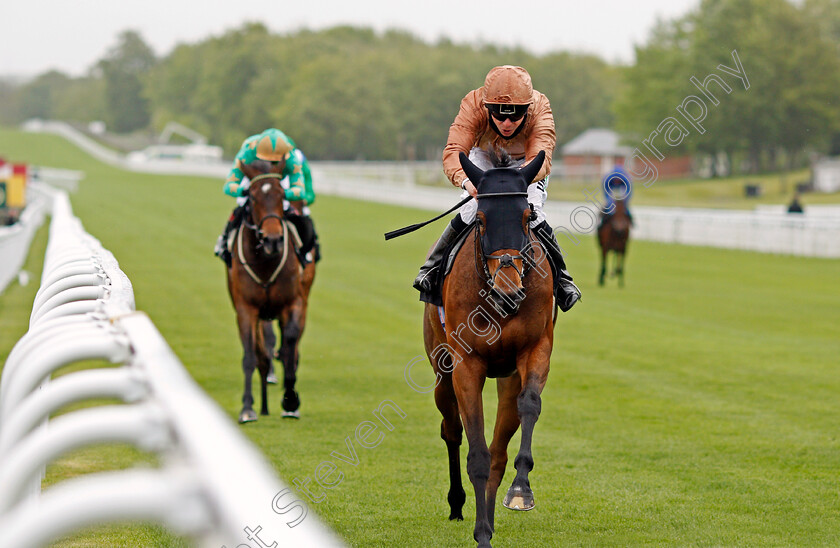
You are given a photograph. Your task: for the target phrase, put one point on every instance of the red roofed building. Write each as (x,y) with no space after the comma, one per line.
(595,152)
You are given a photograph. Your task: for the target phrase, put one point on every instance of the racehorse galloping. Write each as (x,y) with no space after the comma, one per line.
(613,235)
(266,282)
(499,315)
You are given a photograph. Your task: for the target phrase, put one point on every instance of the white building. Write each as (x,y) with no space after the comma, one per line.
(827,175)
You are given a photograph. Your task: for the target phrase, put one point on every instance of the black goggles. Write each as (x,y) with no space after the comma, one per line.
(502,112)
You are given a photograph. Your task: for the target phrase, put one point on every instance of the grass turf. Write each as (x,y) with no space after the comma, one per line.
(697,406)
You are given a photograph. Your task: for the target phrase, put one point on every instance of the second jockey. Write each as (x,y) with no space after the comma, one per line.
(272,145)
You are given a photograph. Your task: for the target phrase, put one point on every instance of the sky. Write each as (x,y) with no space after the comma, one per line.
(71,35)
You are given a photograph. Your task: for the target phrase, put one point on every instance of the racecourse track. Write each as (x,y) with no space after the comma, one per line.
(696,406)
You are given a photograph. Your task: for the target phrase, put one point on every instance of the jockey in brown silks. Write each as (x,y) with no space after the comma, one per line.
(506,113)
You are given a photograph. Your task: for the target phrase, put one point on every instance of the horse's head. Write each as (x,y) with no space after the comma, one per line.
(265,203)
(503,217)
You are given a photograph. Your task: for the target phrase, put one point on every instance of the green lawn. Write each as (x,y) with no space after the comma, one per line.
(695,407)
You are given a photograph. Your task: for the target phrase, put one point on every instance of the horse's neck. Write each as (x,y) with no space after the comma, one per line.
(620,207)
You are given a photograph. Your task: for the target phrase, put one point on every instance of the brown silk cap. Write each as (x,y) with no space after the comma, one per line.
(508,85)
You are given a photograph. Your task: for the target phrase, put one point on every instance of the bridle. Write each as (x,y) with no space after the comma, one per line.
(507,259)
(257,228)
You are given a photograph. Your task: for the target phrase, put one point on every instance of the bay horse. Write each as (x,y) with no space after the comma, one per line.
(499,315)
(613,235)
(266,281)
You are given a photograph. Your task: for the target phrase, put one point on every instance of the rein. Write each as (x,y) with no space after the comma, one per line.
(267,176)
(497,194)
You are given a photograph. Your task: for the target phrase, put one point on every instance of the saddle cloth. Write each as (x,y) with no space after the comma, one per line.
(441,270)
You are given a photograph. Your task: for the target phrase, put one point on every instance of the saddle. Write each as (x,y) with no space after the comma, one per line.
(442,269)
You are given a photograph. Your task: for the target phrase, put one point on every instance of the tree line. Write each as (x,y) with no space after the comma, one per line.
(349,93)
(791,56)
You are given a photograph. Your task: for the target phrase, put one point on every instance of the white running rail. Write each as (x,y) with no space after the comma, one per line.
(213,486)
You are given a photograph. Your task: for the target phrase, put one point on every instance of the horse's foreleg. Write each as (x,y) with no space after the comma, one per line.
(247,320)
(265,335)
(533,374)
(291,333)
(507,422)
(620,268)
(451,431)
(603,268)
(468,384)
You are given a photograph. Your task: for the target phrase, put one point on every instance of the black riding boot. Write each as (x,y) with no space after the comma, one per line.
(311,242)
(222,250)
(306,230)
(566,293)
(425,280)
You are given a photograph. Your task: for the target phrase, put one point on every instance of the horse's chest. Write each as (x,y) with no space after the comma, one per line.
(273,306)
(499,355)
(501,369)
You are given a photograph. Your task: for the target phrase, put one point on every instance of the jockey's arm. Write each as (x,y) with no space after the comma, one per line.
(297,185)
(233,181)
(542,136)
(463,134)
(309,191)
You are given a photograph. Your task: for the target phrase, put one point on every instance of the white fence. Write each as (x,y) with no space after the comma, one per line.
(793,234)
(159,166)
(816,233)
(213,486)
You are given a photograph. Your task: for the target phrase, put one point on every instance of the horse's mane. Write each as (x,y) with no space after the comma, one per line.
(499,157)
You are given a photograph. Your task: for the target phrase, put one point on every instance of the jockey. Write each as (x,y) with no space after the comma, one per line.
(272,145)
(505,113)
(616,184)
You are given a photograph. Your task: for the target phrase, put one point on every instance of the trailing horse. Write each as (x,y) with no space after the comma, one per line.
(266,281)
(613,235)
(499,315)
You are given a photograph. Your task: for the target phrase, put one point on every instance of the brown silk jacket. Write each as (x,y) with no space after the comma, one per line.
(471,128)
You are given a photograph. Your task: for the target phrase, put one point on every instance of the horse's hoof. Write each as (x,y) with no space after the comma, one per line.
(519,499)
(271,378)
(291,414)
(247,415)
(291,401)
(456,517)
